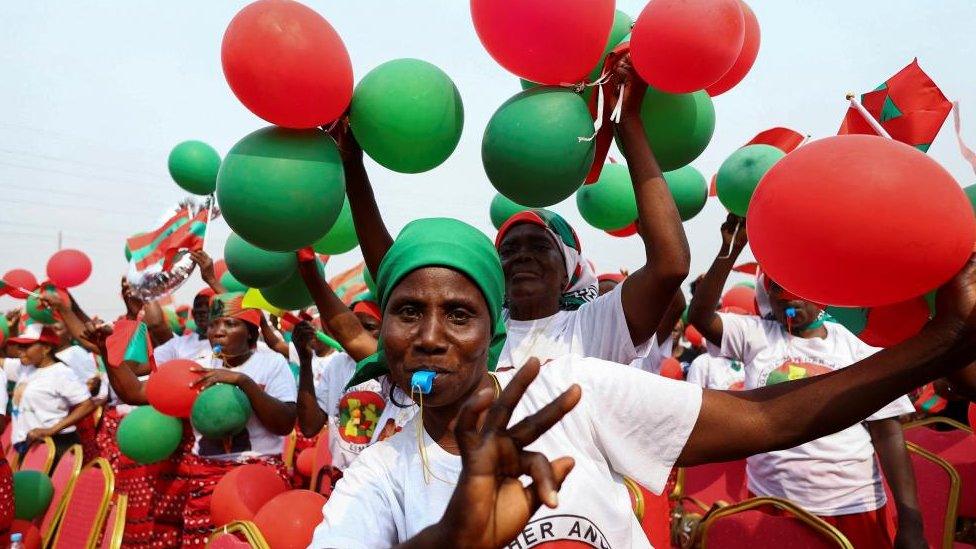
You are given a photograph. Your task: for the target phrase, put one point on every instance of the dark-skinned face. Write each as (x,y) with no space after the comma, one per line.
(201,313)
(231,334)
(437,319)
(781,299)
(35,353)
(369,323)
(533,263)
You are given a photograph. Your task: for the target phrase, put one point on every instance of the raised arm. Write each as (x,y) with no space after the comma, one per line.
(735,425)
(374,238)
(74,325)
(207,272)
(274,341)
(342,323)
(671,317)
(277,416)
(701,313)
(155,320)
(121,377)
(311,417)
(647,293)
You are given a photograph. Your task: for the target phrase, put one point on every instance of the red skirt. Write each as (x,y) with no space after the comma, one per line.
(200,475)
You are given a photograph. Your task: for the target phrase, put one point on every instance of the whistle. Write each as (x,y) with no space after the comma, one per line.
(422,382)
(790,312)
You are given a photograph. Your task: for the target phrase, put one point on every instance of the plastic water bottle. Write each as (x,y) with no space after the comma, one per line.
(17,541)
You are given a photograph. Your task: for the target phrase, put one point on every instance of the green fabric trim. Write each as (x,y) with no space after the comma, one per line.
(889,110)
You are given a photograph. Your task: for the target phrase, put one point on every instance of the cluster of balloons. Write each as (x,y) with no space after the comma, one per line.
(886,325)
(152,433)
(255,492)
(273,274)
(66,268)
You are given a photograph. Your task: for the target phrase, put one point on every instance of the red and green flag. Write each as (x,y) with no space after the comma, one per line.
(180,232)
(129,342)
(909,106)
(350,283)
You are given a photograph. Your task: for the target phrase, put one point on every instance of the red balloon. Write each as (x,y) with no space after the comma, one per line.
(682,46)
(170,388)
(891,324)
(31,535)
(860,221)
(670,367)
(305,462)
(288,520)
(750,49)
(543,41)
(732,309)
(242,492)
(972,414)
(69,268)
(629,230)
(741,297)
(694,336)
(287,64)
(17,280)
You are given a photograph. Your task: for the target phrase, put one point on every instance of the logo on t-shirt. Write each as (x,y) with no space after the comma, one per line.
(359,411)
(792,370)
(560,532)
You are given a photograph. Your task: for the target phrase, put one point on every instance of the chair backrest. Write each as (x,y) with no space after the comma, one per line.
(87,506)
(323,459)
(288,451)
(653,513)
(714,482)
(63,476)
(937,486)
(773,523)
(239,534)
(115,523)
(955,444)
(39,456)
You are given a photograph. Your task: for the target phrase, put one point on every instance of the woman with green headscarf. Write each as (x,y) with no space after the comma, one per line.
(551,302)
(451,477)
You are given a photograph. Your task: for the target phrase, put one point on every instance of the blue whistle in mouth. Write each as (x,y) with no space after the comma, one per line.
(790,312)
(422,382)
(218,348)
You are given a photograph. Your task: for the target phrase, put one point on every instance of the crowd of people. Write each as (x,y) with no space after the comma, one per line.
(547,389)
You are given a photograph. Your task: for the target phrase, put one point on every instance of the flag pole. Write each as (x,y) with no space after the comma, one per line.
(873,122)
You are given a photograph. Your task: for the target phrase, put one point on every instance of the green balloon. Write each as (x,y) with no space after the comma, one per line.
(747,284)
(146,435)
(740,174)
(502,209)
(971,195)
(678,126)
(220,411)
(292,294)
(254,267)
(618,33)
(231,284)
(688,189)
(32,494)
(281,189)
(609,204)
(341,238)
(34,311)
(407,115)
(194,165)
(4,328)
(852,318)
(531,148)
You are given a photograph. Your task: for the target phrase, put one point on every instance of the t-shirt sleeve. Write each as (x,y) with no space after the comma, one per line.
(698,371)
(12,367)
(901,406)
(640,421)
(360,511)
(281,383)
(743,337)
(601,327)
(73,391)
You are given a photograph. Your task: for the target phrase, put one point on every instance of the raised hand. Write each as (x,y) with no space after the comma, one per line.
(490,507)
(132,303)
(302,336)
(206,264)
(634,88)
(734,235)
(349,148)
(955,302)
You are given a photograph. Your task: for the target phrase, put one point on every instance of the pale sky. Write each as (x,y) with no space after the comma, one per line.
(94,94)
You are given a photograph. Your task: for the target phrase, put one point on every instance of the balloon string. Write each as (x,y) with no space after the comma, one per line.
(598,123)
(966,152)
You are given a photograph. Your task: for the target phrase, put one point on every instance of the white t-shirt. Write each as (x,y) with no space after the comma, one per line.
(271,372)
(186,347)
(598,329)
(353,413)
(830,476)
(43,397)
(12,367)
(319,363)
(656,354)
(628,423)
(717,372)
(82,362)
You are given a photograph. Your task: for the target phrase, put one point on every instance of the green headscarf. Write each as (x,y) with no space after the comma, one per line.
(440,242)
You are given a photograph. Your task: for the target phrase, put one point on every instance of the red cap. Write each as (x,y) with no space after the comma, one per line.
(368,307)
(37,333)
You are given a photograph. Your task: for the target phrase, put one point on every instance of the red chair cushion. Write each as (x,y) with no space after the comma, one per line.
(82,510)
(35,459)
(959,449)
(59,478)
(755,529)
(228,541)
(717,481)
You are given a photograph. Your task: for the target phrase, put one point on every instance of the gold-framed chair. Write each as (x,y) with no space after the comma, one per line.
(115,523)
(86,508)
(39,456)
(937,486)
(63,478)
(288,451)
(745,525)
(955,443)
(228,536)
